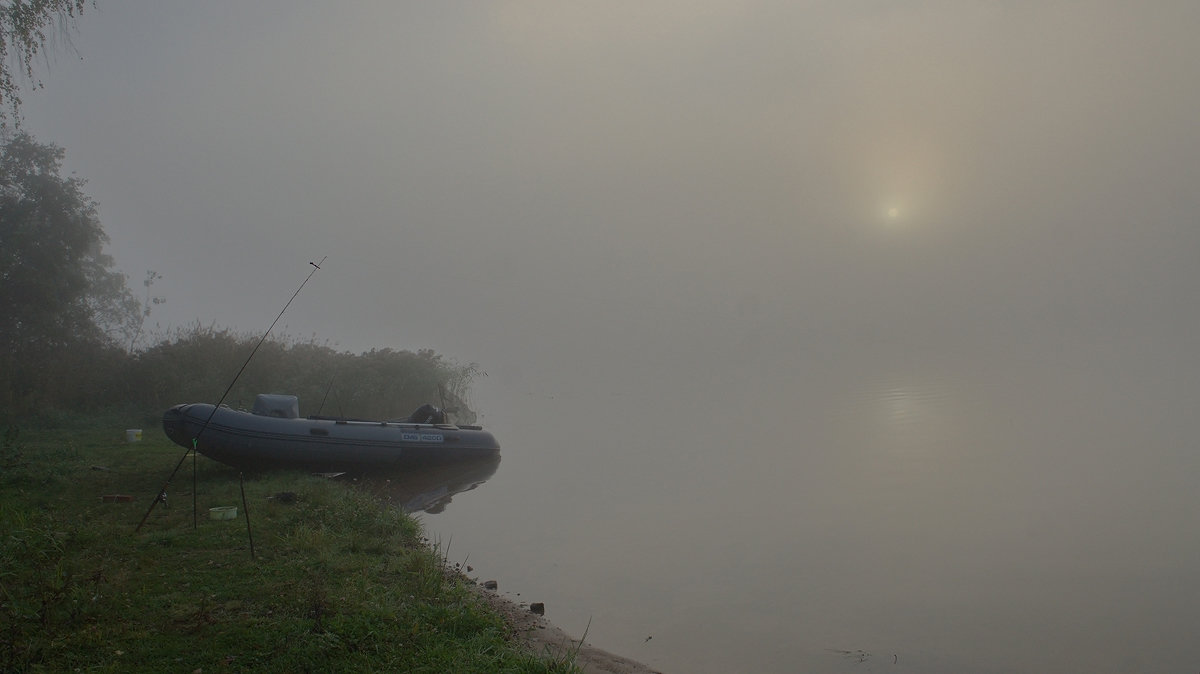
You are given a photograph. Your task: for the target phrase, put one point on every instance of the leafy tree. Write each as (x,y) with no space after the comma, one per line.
(151,277)
(24,26)
(57,288)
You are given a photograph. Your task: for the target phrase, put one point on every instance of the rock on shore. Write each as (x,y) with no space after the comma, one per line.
(542,637)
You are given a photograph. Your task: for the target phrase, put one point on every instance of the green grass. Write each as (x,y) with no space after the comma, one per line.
(339,581)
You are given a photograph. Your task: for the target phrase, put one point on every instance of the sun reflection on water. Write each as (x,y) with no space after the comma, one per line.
(902,417)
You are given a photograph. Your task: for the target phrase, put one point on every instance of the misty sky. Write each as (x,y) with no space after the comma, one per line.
(518,183)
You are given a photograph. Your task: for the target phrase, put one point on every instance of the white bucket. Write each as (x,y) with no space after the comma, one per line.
(222,513)
(133,435)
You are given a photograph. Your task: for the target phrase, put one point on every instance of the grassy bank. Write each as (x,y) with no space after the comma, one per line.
(338,581)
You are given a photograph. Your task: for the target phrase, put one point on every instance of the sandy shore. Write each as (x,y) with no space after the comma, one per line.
(543,638)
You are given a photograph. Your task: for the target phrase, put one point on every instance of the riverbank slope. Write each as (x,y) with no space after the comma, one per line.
(319,576)
(541,637)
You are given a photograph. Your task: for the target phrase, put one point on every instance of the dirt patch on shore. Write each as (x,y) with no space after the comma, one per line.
(540,636)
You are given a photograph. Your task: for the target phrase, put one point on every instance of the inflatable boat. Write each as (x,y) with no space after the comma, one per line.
(274,435)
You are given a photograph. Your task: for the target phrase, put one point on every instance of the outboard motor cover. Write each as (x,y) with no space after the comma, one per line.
(276,405)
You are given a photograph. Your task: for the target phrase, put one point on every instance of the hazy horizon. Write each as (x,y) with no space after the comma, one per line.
(936,236)
(524,175)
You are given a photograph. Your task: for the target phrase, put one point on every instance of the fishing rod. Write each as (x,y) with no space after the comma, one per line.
(161,496)
(335,395)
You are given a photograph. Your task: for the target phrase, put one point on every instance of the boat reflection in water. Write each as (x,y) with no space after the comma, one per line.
(430,489)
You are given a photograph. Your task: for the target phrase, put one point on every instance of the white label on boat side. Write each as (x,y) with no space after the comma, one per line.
(422,437)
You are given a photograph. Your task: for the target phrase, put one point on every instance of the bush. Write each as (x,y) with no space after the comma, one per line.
(198,363)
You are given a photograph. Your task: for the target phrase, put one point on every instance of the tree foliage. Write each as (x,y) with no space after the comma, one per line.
(58,291)
(25,28)
(69,324)
(197,364)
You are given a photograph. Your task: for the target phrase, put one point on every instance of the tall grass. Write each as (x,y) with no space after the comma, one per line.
(339,582)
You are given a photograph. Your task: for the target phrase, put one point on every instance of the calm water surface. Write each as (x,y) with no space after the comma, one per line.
(864,508)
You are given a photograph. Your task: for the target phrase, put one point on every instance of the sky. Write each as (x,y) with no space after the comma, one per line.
(541,187)
(666,211)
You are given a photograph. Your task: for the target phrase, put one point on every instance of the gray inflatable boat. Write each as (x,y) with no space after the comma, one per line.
(274,435)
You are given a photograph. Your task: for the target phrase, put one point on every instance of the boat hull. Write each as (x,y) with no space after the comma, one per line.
(246,440)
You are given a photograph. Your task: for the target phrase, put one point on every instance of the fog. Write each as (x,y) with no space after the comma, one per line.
(680,211)
(516,182)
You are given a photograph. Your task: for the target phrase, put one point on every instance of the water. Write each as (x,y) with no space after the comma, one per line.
(973,507)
